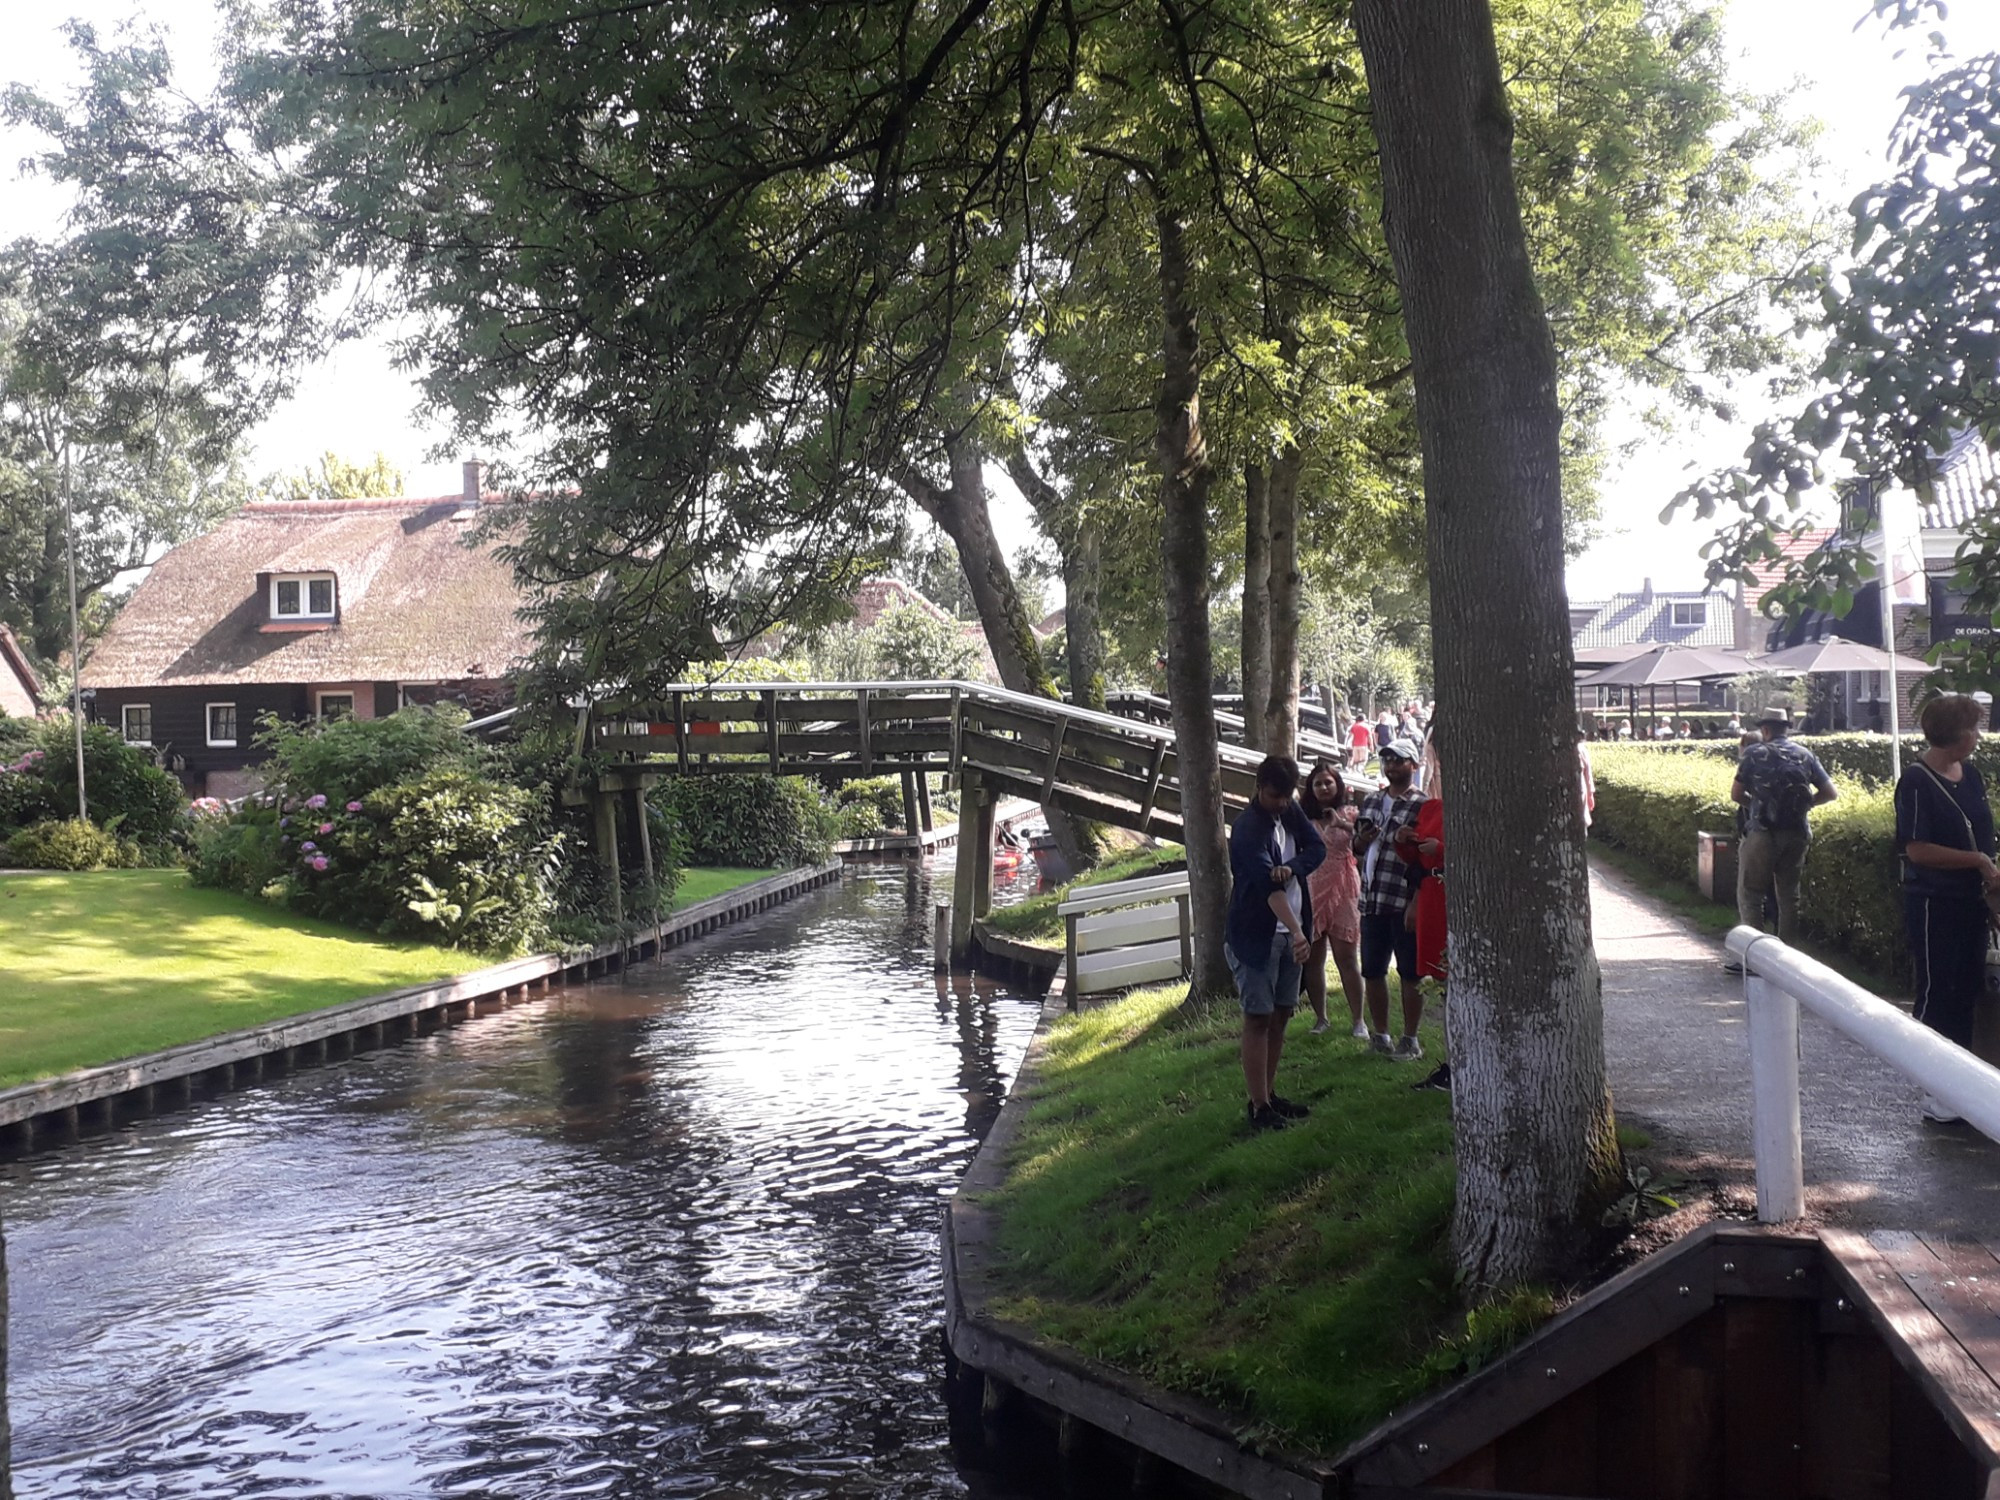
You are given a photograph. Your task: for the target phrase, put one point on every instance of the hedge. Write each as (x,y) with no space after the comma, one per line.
(1847,757)
(1653,805)
(749,821)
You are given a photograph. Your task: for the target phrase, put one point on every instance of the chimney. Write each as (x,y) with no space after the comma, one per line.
(472,482)
(1646,592)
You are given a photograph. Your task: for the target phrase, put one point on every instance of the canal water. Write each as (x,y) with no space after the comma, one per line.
(668,1234)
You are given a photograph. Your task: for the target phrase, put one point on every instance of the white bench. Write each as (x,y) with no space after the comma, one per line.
(1127,933)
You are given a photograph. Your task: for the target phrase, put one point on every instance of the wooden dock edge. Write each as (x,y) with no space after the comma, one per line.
(1009,957)
(128,1089)
(1016,1365)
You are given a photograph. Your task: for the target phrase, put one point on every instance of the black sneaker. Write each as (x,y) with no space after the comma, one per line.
(1439,1081)
(1263,1117)
(1731,966)
(1288,1110)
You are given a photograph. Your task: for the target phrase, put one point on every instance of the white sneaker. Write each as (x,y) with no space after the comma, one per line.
(1409,1049)
(1380,1042)
(1321,1027)
(1360,1032)
(1935,1111)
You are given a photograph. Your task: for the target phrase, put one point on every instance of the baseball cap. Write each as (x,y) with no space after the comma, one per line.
(1401,749)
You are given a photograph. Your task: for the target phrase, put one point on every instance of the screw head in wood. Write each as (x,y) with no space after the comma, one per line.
(1684,1291)
(1550,1372)
(1423,1447)
(1729,1265)
(1841,1304)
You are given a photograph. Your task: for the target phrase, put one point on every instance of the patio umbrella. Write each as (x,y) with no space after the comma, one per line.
(1589,658)
(1668,665)
(1836,655)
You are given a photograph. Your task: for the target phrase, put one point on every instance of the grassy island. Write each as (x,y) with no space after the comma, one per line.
(1301,1279)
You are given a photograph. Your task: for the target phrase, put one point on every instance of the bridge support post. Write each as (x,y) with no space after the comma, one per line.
(913,824)
(972,883)
(605,806)
(924,798)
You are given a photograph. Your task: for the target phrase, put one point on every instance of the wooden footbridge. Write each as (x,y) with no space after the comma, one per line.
(1119,771)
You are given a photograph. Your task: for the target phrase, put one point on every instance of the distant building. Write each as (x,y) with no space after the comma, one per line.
(306,609)
(20,687)
(1658,617)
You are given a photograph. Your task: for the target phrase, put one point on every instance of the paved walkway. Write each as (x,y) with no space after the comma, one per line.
(1678,1053)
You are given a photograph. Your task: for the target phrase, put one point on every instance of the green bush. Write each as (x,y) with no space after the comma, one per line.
(70,844)
(127,792)
(749,821)
(868,805)
(344,759)
(1847,757)
(239,851)
(1653,805)
(450,857)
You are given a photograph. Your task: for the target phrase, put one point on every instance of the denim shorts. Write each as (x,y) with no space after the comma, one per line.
(1383,935)
(1272,985)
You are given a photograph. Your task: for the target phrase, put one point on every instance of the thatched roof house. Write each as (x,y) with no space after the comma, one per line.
(306,608)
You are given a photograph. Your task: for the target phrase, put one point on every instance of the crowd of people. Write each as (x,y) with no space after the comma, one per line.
(1325,875)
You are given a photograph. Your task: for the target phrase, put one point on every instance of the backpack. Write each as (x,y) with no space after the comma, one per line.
(1789,796)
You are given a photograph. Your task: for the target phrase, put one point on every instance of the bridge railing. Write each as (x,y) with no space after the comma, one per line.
(1777,981)
(1097,764)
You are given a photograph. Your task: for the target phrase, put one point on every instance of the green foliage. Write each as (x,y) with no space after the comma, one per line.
(755,821)
(337,478)
(125,789)
(450,856)
(907,643)
(1853,756)
(239,851)
(869,805)
(344,759)
(1652,805)
(1647,1195)
(70,844)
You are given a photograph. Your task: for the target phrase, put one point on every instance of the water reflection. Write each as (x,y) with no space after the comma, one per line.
(674,1234)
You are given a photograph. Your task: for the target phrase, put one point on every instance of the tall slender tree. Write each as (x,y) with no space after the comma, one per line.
(1531,1114)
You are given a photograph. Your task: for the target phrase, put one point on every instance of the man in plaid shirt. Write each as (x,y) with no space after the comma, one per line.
(1388,883)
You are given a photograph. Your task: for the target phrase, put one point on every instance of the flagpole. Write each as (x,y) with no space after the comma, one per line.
(1895,683)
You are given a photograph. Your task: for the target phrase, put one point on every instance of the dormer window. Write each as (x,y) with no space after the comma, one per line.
(302,596)
(1691,612)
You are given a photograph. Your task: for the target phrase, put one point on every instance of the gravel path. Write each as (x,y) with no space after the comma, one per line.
(1678,1053)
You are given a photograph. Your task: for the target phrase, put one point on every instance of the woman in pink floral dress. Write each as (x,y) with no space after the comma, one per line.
(1335,888)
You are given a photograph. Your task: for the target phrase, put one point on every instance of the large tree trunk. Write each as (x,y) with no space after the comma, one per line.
(1530,1110)
(1256,645)
(1281,698)
(1185,476)
(962,513)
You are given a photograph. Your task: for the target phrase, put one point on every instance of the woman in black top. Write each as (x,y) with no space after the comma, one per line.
(1944,832)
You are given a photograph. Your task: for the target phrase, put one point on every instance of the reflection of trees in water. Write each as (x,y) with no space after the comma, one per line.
(6,1445)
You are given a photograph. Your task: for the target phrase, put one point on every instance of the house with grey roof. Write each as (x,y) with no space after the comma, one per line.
(1658,617)
(304,610)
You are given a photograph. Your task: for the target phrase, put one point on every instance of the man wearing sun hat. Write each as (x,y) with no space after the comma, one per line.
(1777,783)
(1387,884)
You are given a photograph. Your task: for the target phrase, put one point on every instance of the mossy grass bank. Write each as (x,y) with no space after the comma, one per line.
(701,884)
(1035,920)
(1300,1280)
(110,964)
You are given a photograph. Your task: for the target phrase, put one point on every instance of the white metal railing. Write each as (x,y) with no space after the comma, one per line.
(1777,980)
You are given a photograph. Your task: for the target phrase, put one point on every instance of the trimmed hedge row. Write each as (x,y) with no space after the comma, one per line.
(1855,757)
(1653,805)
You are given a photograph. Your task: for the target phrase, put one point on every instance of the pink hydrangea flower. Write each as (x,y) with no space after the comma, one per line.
(319,862)
(307,847)
(326,828)
(354,807)
(316,800)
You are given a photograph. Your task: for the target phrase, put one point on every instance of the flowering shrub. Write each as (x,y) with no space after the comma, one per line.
(341,761)
(128,793)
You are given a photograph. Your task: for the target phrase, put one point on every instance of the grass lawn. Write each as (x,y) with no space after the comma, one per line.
(1035,920)
(1301,1280)
(110,964)
(700,884)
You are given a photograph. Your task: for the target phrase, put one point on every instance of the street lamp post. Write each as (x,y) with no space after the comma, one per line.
(75,639)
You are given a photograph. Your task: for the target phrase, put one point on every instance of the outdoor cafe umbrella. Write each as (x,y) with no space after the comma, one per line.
(1670,665)
(1837,655)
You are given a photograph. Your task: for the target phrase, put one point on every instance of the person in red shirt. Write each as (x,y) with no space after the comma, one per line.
(1423,846)
(1360,740)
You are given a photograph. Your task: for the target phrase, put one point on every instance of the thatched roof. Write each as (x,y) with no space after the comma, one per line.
(417,604)
(20,688)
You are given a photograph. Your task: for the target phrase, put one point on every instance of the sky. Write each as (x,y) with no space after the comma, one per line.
(1849,78)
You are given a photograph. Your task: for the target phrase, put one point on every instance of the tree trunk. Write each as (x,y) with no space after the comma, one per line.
(1281,702)
(962,513)
(1256,646)
(1076,538)
(1185,476)
(1530,1110)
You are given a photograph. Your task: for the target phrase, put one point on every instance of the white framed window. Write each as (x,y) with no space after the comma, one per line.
(336,705)
(1690,612)
(302,596)
(221,724)
(136,722)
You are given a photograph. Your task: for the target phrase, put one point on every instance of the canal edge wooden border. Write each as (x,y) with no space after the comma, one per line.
(1187,1434)
(60,1100)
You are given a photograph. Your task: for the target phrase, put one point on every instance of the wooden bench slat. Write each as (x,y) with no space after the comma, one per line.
(1123,929)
